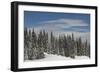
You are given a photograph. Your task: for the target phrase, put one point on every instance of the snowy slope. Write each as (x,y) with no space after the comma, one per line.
(51,57)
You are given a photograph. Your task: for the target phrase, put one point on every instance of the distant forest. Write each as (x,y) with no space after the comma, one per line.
(35,45)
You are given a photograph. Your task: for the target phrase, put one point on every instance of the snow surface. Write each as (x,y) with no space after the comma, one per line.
(51,57)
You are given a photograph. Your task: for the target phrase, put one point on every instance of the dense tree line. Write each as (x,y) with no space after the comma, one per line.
(35,45)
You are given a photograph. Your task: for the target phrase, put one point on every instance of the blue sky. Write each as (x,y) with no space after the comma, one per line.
(52,21)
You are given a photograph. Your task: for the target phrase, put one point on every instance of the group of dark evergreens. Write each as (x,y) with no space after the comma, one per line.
(35,45)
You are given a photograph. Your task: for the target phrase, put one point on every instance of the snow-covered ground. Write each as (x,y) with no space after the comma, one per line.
(51,57)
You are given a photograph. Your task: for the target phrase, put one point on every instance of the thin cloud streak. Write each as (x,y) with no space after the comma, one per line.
(60,24)
(66,27)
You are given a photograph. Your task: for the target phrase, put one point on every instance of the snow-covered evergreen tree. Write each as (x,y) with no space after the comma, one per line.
(30,50)
(25,44)
(52,39)
(66,48)
(36,44)
(45,41)
(61,48)
(72,47)
(40,53)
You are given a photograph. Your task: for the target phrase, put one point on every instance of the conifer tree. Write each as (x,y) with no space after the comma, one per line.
(40,53)
(72,47)
(25,44)
(30,51)
(34,45)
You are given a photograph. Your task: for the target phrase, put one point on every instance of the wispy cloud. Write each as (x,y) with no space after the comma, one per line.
(71,22)
(65,26)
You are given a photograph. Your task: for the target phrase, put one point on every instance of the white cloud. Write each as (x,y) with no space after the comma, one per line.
(57,26)
(60,24)
(68,22)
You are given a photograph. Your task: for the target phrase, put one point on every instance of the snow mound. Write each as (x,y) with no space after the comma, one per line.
(81,57)
(51,57)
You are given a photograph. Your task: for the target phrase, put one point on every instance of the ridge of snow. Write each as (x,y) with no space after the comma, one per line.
(51,57)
